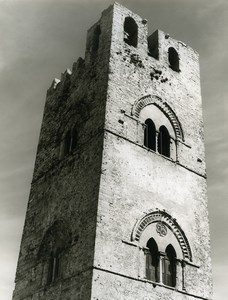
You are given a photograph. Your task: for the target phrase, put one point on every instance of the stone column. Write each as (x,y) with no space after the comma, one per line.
(179,275)
(161,257)
(183,275)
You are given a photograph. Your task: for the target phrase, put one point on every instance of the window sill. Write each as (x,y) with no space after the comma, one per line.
(154,283)
(157,153)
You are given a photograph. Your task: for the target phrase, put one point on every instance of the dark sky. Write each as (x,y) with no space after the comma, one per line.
(40,39)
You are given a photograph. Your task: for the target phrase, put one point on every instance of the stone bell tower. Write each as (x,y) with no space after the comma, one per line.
(118,204)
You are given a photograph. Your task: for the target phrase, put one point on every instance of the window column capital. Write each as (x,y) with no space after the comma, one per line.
(162,254)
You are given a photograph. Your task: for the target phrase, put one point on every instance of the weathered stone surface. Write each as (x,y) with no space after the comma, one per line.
(87,201)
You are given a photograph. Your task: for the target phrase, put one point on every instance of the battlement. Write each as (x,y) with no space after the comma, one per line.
(120,29)
(129,65)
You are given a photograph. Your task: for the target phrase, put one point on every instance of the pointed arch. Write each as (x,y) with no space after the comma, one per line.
(152,261)
(173,57)
(150,135)
(56,238)
(169,266)
(164,107)
(54,244)
(168,221)
(130,32)
(164,141)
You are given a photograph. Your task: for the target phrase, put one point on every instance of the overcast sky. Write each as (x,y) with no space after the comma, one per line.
(40,39)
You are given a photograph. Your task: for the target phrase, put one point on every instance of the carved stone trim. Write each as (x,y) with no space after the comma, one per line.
(161,229)
(167,220)
(164,107)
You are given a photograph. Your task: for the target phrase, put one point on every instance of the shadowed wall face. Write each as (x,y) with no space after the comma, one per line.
(57,248)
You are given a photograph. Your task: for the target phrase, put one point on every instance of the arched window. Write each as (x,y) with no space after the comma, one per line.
(53,247)
(150,135)
(152,261)
(130,32)
(173,59)
(160,266)
(69,142)
(169,267)
(164,141)
(53,266)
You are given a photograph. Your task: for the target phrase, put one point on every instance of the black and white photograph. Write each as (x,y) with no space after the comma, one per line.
(113,153)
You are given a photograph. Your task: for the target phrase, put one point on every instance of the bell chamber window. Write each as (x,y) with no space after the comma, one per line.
(169,266)
(150,135)
(152,261)
(173,59)
(165,256)
(130,32)
(157,141)
(164,141)
(158,133)
(160,266)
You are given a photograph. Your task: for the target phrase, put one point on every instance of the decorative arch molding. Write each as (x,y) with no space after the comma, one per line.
(164,107)
(165,219)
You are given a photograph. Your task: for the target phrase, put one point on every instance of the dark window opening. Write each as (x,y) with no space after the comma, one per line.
(164,141)
(153,45)
(70,141)
(53,267)
(67,142)
(169,267)
(173,59)
(152,261)
(150,135)
(96,38)
(74,139)
(160,267)
(130,32)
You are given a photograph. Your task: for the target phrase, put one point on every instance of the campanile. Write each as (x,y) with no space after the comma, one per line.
(118,204)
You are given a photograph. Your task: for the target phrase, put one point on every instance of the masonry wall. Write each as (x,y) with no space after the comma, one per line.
(65,186)
(136,180)
(129,288)
(135,184)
